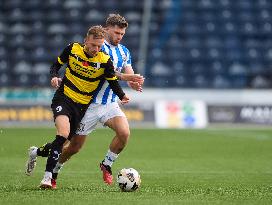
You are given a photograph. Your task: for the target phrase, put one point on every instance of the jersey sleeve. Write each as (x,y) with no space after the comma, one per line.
(128,59)
(62,59)
(109,71)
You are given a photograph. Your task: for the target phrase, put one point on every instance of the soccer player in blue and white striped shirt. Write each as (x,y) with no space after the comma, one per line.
(104,108)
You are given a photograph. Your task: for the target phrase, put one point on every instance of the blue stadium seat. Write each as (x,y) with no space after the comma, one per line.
(16,15)
(162,82)
(218,68)
(22,80)
(220,81)
(131,5)
(40,54)
(41,68)
(180,68)
(11,4)
(201,81)
(268,54)
(18,40)
(94,16)
(74,4)
(75,16)
(31,5)
(39,40)
(52,4)
(22,67)
(21,53)
(41,80)
(3,52)
(37,15)
(5,80)
(182,81)
(260,81)
(194,44)
(20,28)
(4,65)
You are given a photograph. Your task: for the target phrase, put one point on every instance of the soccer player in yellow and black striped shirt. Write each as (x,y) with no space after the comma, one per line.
(87,69)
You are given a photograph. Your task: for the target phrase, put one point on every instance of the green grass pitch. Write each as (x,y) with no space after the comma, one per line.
(210,166)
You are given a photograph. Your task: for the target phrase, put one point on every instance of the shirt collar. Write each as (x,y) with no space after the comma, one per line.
(108,44)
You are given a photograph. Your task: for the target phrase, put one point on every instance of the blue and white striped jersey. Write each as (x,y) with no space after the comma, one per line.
(121,58)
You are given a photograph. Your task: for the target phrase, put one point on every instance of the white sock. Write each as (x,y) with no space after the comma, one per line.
(57,167)
(110,158)
(48,175)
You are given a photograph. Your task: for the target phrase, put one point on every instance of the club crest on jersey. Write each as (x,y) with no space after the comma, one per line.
(124,57)
(85,63)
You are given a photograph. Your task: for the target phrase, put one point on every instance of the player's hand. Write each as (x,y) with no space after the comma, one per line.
(55,82)
(135,86)
(133,77)
(125,100)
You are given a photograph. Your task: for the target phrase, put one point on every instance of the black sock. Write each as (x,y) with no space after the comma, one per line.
(44,150)
(55,152)
(55,175)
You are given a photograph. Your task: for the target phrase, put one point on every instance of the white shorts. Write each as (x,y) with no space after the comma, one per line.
(98,113)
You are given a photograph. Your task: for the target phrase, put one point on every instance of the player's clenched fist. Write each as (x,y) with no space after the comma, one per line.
(55,82)
(125,100)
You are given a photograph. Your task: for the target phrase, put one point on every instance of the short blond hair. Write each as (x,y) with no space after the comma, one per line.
(97,32)
(116,19)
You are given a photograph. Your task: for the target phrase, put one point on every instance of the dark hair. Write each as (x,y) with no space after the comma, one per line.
(97,31)
(116,19)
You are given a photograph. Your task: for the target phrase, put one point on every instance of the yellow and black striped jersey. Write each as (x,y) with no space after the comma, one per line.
(84,74)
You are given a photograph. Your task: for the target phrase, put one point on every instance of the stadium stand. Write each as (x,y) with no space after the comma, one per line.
(192,43)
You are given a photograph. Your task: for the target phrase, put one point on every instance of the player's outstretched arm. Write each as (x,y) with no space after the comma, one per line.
(130,77)
(134,81)
(135,86)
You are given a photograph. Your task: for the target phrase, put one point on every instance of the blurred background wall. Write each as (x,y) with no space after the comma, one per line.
(218,52)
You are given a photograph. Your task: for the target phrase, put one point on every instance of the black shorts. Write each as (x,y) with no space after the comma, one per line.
(62,105)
